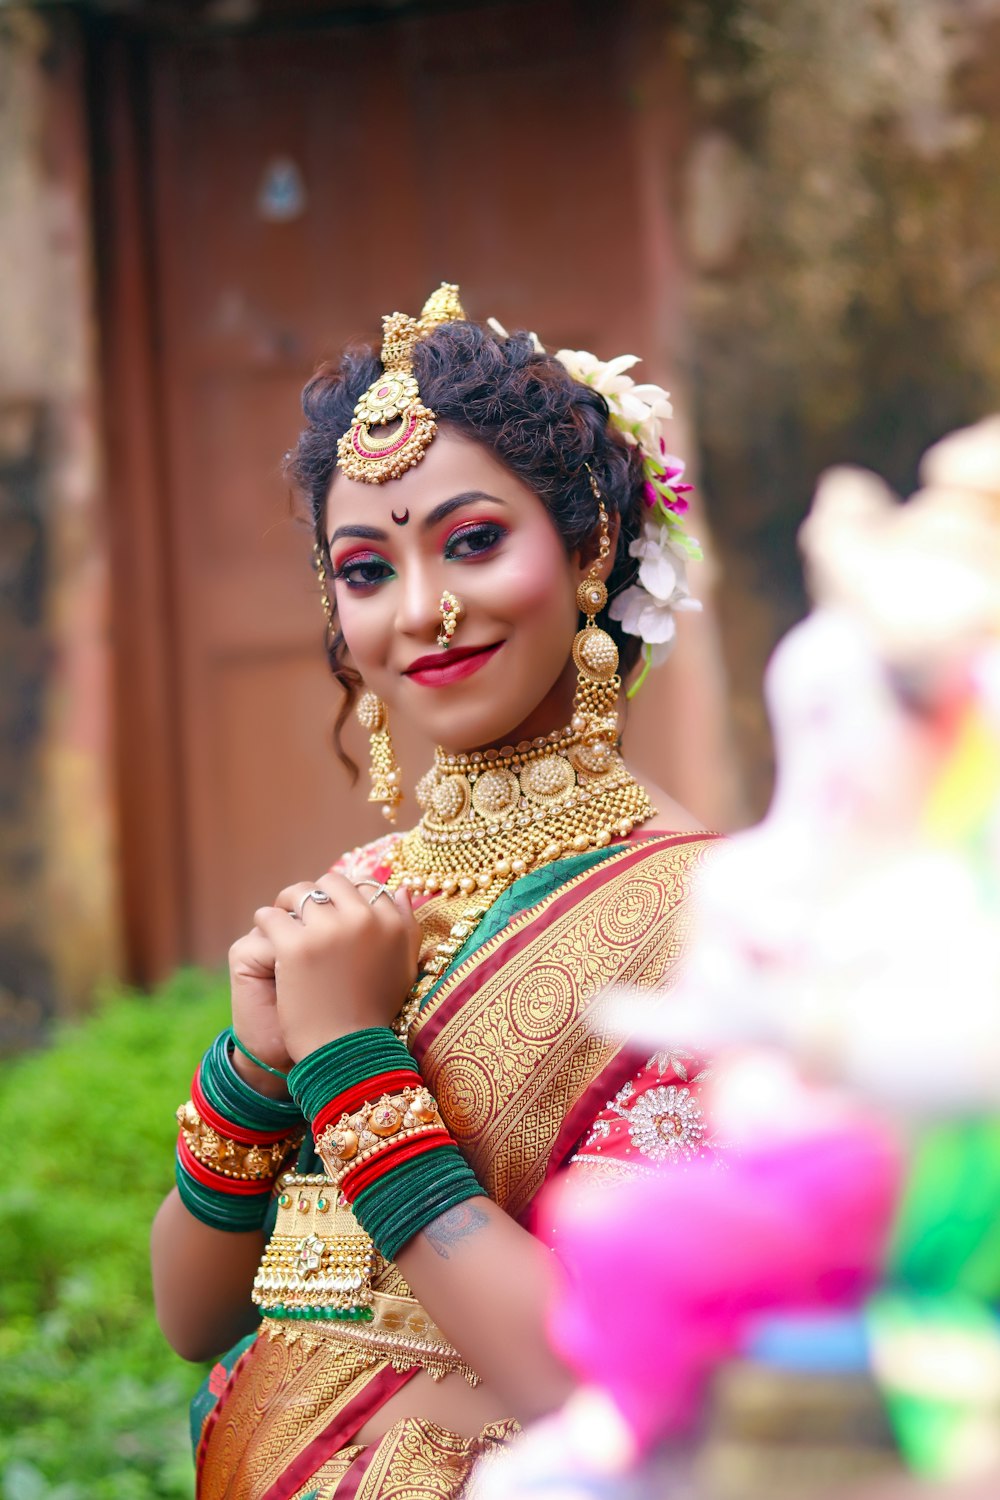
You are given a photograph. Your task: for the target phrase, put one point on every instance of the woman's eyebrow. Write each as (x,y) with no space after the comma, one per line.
(467,497)
(367,533)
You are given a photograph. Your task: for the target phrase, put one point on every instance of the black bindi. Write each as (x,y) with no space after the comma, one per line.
(401,520)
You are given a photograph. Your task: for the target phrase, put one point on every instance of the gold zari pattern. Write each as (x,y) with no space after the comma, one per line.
(415,1460)
(400,1333)
(534,1032)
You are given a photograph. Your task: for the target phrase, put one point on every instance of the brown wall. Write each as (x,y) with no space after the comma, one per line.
(58,903)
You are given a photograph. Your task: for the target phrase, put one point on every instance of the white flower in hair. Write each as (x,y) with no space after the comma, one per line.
(640,413)
(636,410)
(647,609)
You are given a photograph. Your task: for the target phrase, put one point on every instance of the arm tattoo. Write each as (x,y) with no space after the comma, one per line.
(453,1225)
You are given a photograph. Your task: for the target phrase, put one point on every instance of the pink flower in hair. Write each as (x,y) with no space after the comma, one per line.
(673,477)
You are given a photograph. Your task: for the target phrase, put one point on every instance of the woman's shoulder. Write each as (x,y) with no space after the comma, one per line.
(367,860)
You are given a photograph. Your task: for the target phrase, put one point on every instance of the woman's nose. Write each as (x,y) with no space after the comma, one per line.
(419,612)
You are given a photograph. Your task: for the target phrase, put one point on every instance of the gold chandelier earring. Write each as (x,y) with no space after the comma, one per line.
(383,767)
(598,685)
(451,610)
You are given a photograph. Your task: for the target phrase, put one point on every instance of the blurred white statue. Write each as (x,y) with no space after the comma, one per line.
(858,924)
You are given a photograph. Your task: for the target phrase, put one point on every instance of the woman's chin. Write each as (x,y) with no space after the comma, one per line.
(480,710)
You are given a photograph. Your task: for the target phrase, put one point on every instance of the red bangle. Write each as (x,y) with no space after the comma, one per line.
(391,1156)
(361,1093)
(239,1186)
(224,1127)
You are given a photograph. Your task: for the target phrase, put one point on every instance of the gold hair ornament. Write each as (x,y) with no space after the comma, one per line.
(392,428)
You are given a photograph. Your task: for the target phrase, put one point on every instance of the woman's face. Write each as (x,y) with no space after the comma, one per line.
(458,520)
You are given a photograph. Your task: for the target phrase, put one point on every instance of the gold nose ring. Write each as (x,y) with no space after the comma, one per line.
(451,610)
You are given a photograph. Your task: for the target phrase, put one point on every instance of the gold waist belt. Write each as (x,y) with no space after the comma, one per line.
(315,1284)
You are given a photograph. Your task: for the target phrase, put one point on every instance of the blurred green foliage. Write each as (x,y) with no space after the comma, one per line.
(93,1404)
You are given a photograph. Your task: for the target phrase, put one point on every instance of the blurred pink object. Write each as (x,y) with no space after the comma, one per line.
(664,1272)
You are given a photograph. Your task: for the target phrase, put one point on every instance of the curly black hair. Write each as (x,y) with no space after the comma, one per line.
(522,404)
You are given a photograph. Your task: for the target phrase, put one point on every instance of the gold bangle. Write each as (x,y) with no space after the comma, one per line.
(251,1163)
(357,1137)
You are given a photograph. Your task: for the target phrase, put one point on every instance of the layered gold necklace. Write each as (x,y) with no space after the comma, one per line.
(490,816)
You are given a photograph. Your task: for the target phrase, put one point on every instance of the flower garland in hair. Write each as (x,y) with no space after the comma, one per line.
(640,413)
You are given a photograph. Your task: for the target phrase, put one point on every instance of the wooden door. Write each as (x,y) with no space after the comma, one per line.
(303,184)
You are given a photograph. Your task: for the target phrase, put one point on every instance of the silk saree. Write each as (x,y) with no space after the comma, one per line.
(513,1044)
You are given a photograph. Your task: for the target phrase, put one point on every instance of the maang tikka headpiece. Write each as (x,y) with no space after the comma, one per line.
(363,452)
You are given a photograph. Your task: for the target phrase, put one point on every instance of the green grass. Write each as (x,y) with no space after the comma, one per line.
(93,1404)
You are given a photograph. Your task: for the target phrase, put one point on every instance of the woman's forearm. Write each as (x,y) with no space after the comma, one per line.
(202,1278)
(487,1283)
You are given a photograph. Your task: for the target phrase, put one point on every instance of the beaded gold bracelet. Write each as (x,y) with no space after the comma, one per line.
(249,1161)
(378,1124)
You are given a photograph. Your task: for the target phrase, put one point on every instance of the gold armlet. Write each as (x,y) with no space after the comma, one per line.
(357,1137)
(251,1163)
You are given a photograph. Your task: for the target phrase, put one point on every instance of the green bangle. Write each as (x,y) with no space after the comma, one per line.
(233,1097)
(255,1060)
(236,1214)
(403,1202)
(321,1075)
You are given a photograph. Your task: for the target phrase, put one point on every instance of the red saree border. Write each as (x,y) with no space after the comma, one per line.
(347,1421)
(479,967)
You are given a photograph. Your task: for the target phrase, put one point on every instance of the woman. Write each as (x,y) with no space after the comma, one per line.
(424,1015)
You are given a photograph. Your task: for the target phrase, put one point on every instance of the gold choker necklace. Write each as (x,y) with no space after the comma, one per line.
(493,815)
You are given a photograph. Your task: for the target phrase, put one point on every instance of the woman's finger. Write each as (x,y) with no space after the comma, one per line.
(253,952)
(274,924)
(290,899)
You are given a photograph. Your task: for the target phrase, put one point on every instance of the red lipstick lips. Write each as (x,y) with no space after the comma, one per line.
(445,667)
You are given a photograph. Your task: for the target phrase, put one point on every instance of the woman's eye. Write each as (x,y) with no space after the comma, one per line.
(473,541)
(363,572)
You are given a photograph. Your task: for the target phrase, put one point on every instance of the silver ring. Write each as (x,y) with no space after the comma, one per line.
(380,890)
(320,898)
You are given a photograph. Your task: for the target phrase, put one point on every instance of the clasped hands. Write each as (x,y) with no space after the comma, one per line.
(308,972)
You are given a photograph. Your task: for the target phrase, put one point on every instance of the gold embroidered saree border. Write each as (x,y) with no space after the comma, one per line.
(289,1395)
(516,1037)
(418,1460)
